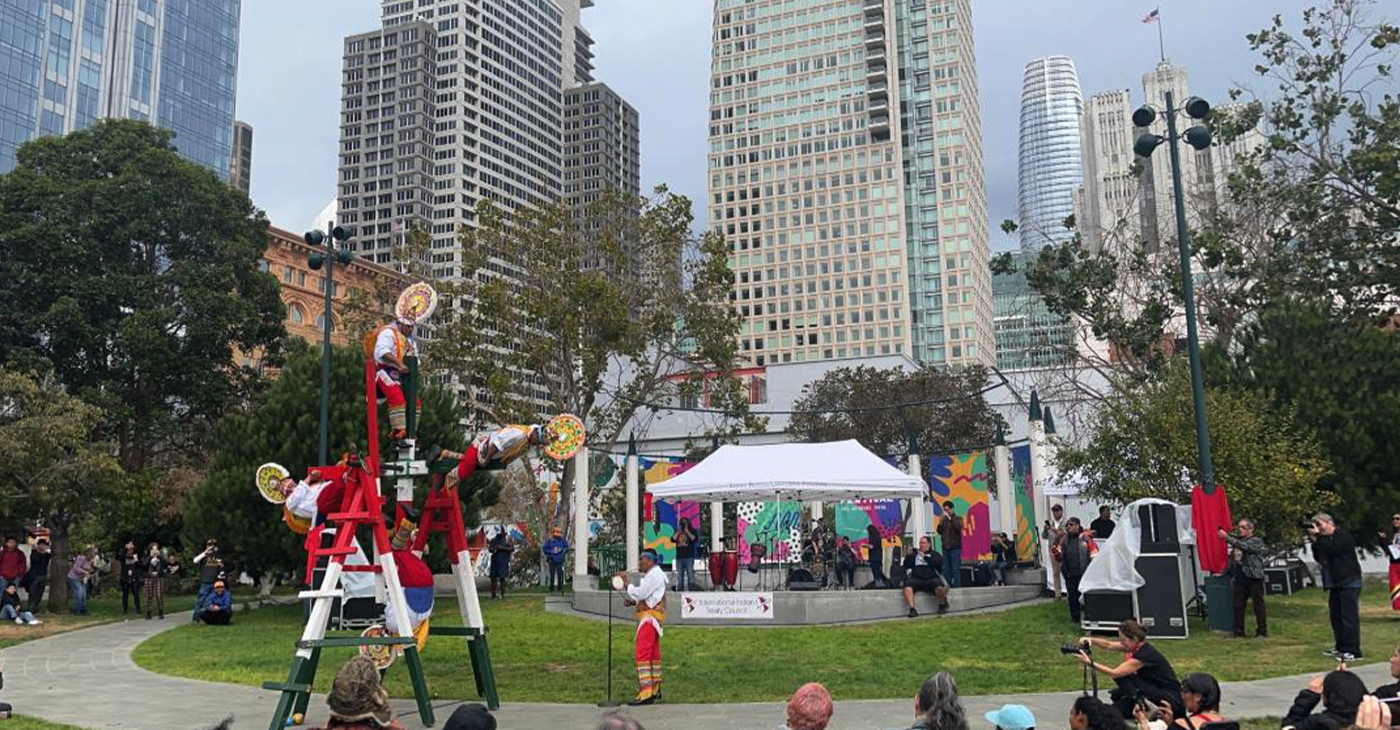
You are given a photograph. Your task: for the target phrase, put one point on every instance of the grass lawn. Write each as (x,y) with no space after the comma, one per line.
(544,657)
(103,609)
(24,722)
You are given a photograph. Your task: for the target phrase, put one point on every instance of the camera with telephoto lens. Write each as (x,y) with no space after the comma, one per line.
(1073,648)
(1308,524)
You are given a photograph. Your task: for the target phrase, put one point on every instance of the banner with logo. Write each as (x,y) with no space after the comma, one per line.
(726,605)
(962,479)
(1027,533)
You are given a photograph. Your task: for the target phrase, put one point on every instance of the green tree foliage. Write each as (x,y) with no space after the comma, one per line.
(52,468)
(1342,379)
(283,428)
(594,312)
(1144,443)
(133,274)
(847,404)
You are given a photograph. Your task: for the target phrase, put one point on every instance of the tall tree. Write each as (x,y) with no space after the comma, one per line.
(1342,378)
(942,410)
(598,312)
(53,468)
(283,428)
(133,274)
(1144,443)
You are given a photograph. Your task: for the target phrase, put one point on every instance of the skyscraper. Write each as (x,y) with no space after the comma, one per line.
(1107,204)
(602,144)
(1028,334)
(1050,166)
(241,163)
(67,63)
(845,170)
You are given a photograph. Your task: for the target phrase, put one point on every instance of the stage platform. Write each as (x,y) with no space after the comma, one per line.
(815,608)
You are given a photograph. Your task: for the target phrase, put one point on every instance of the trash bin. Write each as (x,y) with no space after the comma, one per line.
(1220,603)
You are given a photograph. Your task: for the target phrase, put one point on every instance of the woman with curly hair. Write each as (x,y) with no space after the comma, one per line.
(1091,713)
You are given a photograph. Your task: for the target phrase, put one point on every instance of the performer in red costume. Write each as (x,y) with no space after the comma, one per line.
(392,346)
(417,581)
(494,451)
(1210,513)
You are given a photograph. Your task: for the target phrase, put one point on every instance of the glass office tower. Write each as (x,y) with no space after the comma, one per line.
(1050,159)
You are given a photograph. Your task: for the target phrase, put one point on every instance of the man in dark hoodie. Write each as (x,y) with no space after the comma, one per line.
(1335,552)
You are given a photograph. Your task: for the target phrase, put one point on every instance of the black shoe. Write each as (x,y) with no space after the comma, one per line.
(942,609)
(1261,634)
(913,613)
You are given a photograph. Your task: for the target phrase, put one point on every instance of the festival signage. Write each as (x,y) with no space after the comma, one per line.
(662,518)
(1027,535)
(777,526)
(854,518)
(727,605)
(962,479)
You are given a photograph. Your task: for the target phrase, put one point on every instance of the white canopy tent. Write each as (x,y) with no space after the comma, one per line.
(829,472)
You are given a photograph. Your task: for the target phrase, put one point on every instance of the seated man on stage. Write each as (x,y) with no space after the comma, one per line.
(923,571)
(417,580)
(1144,673)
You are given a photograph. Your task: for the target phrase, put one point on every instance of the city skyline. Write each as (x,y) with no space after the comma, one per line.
(296,114)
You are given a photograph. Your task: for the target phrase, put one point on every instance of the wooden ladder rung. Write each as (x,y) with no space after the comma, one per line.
(287,687)
(322,552)
(454,631)
(320,594)
(362,568)
(341,641)
(350,516)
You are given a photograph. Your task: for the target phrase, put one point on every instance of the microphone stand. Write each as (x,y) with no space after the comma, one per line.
(610,702)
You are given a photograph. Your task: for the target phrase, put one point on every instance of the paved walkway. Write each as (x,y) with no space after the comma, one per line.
(87,678)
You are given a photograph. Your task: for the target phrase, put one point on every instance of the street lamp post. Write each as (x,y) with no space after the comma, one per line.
(315,239)
(1199,138)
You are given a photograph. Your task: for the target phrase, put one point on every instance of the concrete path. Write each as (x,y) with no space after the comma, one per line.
(87,678)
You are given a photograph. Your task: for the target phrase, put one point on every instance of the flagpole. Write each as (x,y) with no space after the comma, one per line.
(1161,45)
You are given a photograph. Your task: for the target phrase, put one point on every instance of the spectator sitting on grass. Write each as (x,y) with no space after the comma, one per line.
(809,709)
(1200,693)
(358,701)
(1091,713)
(12,608)
(937,706)
(218,606)
(1340,693)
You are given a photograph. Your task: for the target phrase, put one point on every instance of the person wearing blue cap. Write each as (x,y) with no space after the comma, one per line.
(1012,717)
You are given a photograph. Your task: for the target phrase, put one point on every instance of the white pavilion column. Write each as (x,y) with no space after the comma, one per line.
(634,516)
(581,516)
(1038,471)
(918,508)
(1006,491)
(716,526)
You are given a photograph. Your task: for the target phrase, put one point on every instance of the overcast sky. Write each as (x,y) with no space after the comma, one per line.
(656,54)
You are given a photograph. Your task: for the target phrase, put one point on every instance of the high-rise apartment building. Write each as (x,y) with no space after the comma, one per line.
(1028,334)
(602,144)
(241,162)
(845,170)
(1050,166)
(1128,199)
(64,64)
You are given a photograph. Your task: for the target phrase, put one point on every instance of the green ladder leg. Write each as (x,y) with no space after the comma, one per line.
(420,685)
(482,672)
(297,689)
(304,699)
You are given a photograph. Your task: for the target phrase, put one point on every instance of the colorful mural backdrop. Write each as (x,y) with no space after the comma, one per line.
(775,525)
(852,519)
(1027,538)
(659,528)
(962,478)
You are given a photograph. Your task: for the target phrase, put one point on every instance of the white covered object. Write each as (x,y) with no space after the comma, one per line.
(829,472)
(1115,568)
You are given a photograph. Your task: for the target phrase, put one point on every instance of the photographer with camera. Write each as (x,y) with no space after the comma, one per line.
(1144,674)
(1335,552)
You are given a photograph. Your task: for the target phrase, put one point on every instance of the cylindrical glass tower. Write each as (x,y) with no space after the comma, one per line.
(1050,164)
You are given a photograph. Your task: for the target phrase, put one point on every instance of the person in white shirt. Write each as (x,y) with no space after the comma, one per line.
(649,596)
(301,495)
(392,346)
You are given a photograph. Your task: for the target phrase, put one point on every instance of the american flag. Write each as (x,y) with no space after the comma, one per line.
(1152,16)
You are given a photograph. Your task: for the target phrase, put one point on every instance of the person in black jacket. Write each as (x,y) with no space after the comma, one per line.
(1340,692)
(1335,552)
(876,557)
(923,571)
(37,579)
(1392,690)
(132,575)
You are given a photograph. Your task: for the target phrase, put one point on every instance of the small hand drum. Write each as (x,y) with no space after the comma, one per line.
(417,302)
(564,437)
(268,479)
(618,583)
(381,655)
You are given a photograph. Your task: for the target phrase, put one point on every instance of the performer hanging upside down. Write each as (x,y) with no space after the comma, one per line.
(302,495)
(650,599)
(392,345)
(493,451)
(417,581)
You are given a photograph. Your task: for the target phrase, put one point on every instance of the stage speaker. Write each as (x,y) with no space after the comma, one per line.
(1161,602)
(801,579)
(1103,610)
(1158,523)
